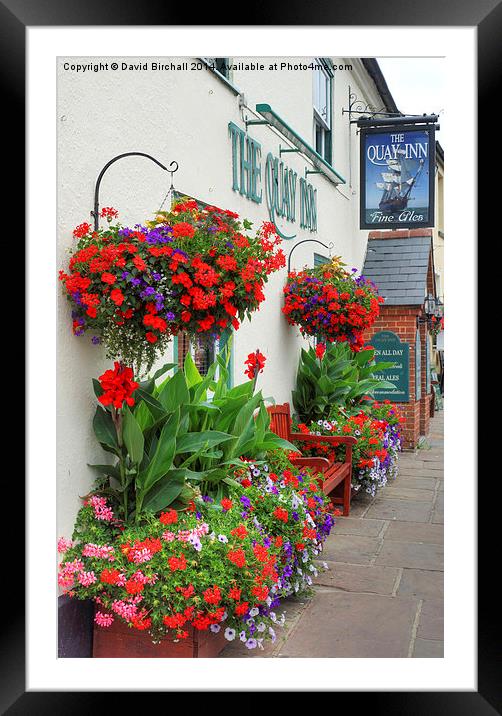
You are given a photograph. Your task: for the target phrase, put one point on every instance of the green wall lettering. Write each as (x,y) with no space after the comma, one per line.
(280,182)
(246,164)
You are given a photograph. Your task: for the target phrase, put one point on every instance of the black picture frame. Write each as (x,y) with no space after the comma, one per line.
(387,129)
(15,17)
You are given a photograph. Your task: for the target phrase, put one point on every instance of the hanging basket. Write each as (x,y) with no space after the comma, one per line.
(331,304)
(190,269)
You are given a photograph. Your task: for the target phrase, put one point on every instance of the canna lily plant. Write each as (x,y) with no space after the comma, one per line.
(334,375)
(176,439)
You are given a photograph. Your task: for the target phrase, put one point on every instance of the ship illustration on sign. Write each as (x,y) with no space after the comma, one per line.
(401,176)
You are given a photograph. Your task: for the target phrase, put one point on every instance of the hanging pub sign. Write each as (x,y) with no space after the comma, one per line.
(397,177)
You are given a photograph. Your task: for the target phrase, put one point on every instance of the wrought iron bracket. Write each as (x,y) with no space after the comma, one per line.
(329,246)
(358,106)
(95,212)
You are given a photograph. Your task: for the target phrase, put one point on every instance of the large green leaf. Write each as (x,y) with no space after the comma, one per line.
(200,390)
(364,356)
(104,429)
(243,389)
(133,436)
(163,369)
(230,408)
(262,422)
(192,375)
(162,460)
(98,390)
(154,406)
(165,491)
(243,428)
(174,393)
(143,416)
(192,442)
(273,442)
(148,385)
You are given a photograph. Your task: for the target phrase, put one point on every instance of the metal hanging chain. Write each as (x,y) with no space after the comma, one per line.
(170,191)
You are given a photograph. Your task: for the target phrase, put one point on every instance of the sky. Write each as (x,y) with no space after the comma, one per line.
(417,85)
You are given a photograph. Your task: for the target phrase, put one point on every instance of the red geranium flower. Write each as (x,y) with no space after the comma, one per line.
(169,518)
(183,229)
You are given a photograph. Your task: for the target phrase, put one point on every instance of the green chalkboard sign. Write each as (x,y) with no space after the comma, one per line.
(388,348)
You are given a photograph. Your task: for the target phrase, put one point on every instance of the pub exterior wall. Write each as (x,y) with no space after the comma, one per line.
(184,116)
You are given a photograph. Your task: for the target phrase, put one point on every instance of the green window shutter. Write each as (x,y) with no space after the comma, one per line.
(319,260)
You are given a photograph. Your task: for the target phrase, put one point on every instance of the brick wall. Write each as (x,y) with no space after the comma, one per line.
(402,320)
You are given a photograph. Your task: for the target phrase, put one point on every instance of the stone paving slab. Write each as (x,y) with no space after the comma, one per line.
(401,492)
(428,648)
(431,623)
(429,465)
(414,532)
(358,526)
(417,483)
(359,578)
(411,555)
(359,504)
(337,624)
(437,517)
(413,471)
(422,584)
(403,510)
(436,456)
(350,548)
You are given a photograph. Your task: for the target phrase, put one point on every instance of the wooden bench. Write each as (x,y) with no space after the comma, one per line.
(336,476)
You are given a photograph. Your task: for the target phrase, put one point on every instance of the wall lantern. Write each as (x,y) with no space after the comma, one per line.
(439,310)
(431,304)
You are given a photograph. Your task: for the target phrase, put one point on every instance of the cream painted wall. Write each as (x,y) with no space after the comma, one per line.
(184,116)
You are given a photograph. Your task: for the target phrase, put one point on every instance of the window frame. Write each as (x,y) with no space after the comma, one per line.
(318,121)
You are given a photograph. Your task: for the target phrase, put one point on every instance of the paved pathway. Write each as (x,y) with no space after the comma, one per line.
(383,593)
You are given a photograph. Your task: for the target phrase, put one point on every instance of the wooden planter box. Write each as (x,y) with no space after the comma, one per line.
(119,641)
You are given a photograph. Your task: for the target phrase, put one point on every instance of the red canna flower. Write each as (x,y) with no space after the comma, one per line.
(118,386)
(320,350)
(255,363)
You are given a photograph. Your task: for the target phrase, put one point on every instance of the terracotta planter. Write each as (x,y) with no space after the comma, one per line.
(119,641)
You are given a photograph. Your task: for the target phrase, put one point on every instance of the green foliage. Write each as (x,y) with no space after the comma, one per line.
(341,378)
(182,437)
